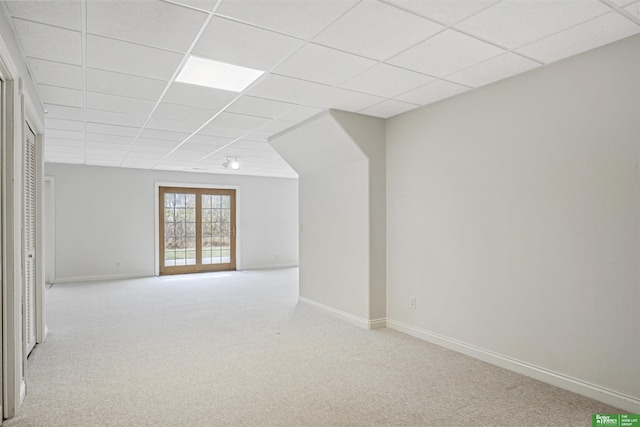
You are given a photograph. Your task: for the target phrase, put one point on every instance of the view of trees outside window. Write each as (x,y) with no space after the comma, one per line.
(180,228)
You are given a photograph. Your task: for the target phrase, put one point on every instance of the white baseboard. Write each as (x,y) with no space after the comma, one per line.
(100,278)
(353,319)
(611,397)
(23,392)
(268,266)
(377,323)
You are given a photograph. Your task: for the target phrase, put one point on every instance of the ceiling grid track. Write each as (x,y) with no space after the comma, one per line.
(378,58)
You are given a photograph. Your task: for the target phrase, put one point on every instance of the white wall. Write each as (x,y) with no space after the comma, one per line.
(106,215)
(369,134)
(334,240)
(513,219)
(339,158)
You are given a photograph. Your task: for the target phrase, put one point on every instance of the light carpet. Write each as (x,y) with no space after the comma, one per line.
(237,349)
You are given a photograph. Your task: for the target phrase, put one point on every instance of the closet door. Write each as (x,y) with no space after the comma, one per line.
(29,291)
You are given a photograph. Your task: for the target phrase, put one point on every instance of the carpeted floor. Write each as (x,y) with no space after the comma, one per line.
(237,349)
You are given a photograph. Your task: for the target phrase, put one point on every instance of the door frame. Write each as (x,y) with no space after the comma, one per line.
(49,213)
(18,108)
(13,388)
(156,220)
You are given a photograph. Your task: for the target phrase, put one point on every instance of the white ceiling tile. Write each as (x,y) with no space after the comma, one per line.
(198,96)
(111,129)
(74,125)
(592,34)
(221,131)
(144,145)
(129,58)
(50,43)
(119,104)
(122,148)
(252,145)
(513,23)
(634,9)
(66,14)
(240,44)
(377,30)
(112,83)
(258,136)
(246,156)
(157,24)
(184,156)
(64,112)
(61,96)
(172,125)
(260,107)
(200,4)
(622,3)
(201,148)
(432,92)
(343,99)
(287,89)
(387,81)
(183,113)
(97,153)
(138,164)
(201,139)
(65,134)
(276,126)
(494,69)
(109,139)
(52,143)
(111,118)
(56,73)
(164,135)
(388,108)
(300,113)
(241,121)
(447,12)
(64,150)
(148,152)
(298,18)
(323,65)
(446,53)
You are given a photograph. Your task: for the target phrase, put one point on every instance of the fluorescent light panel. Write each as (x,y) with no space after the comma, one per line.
(217,75)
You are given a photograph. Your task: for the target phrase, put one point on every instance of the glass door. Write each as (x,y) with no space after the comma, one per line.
(197,230)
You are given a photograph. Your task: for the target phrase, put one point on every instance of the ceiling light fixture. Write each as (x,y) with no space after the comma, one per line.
(232,162)
(217,75)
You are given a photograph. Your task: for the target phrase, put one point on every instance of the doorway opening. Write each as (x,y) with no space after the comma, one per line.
(197,230)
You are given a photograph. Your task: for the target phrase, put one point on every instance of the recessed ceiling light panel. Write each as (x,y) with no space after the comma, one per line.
(217,75)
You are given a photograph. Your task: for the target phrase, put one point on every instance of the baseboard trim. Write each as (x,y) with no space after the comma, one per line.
(611,397)
(23,392)
(269,266)
(353,319)
(377,323)
(100,278)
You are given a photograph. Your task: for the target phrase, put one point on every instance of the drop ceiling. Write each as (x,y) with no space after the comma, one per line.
(105,70)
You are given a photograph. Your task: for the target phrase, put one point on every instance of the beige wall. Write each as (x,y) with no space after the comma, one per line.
(513,219)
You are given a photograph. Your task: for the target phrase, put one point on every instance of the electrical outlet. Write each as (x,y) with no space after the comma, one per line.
(412,303)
